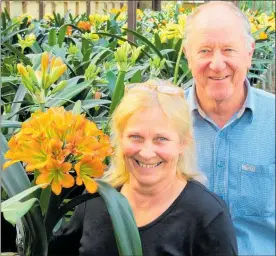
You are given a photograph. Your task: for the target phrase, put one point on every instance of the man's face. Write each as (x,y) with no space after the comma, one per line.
(218,56)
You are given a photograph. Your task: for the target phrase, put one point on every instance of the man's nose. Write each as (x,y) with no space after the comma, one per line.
(218,62)
(147,151)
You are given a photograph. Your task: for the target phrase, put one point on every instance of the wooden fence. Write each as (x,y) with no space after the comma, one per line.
(38,8)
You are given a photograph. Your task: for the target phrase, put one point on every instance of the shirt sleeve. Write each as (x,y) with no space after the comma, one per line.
(218,238)
(67,241)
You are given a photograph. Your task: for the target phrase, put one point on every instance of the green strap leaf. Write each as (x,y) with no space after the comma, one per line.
(9,202)
(125,228)
(61,34)
(17,210)
(10,124)
(52,40)
(118,91)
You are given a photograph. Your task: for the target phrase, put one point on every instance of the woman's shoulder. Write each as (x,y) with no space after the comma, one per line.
(202,201)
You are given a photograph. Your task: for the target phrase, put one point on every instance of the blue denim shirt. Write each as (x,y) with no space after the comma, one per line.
(239,162)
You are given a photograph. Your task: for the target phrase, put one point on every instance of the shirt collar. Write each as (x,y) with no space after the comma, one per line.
(248,104)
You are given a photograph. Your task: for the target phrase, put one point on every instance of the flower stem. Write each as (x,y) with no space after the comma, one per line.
(177,63)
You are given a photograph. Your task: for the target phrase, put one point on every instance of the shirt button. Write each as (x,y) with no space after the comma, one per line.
(222,134)
(220,163)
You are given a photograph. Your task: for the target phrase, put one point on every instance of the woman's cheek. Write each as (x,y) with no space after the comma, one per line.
(130,149)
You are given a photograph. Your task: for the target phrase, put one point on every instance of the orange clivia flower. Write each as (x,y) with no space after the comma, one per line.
(87,168)
(69,31)
(263,35)
(57,174)
(57,143)
(85,25)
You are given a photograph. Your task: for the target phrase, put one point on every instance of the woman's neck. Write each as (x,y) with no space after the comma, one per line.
(145,197)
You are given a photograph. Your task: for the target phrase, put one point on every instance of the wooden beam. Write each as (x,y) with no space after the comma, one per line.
(131,18)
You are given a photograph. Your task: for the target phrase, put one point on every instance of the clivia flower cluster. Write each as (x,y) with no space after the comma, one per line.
(65,148)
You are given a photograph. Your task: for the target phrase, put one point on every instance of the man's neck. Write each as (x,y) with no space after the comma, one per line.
(222,111)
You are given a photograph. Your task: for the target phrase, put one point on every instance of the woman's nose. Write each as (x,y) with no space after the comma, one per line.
(147,151)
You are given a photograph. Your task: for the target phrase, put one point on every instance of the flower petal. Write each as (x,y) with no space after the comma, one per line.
(67,181)
(90,185)
(56,187)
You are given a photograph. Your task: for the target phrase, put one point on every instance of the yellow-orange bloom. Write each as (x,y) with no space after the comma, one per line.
(69,31)
(57,174)
(86,169)
(56,142)
(85,25)
(263,35)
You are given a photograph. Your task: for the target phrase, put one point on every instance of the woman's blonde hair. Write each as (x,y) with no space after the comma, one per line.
(141,97)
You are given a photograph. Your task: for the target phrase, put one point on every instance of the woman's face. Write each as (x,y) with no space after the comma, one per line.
(151,147)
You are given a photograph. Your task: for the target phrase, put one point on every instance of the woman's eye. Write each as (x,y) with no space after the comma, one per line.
(135,137)
(162,139)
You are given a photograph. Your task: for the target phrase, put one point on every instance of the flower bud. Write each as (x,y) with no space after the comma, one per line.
(59,87)
(57,73)
(44,61)
(22,70)
(32,76)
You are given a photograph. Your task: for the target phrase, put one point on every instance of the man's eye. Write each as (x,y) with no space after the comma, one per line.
(229,50)
(204,51)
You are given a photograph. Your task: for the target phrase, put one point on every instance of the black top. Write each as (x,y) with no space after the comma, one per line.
(197,223)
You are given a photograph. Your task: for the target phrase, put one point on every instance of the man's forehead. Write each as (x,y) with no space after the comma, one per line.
(215,15)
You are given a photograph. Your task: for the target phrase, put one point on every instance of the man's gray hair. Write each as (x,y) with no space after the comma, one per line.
(246,24)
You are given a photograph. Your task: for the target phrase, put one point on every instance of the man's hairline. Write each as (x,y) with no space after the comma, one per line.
(243,19)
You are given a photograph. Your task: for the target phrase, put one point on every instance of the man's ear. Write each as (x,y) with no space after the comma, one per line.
(251,52)
(185,51)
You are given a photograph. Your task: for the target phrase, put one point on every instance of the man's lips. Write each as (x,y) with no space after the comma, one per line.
(218,78)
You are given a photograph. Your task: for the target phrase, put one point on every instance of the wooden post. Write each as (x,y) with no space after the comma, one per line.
(88,7)
(24,6)
(131,18)
(8,7)
(53,7)
(40,8)
(156,5)
(65,7)
(77,8)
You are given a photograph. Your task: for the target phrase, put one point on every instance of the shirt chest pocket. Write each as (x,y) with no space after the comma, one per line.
(257,190)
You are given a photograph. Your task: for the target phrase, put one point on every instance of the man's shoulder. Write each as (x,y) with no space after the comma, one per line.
(264,96)
(187,91)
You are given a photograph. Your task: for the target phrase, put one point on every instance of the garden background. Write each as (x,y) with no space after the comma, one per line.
(80,54)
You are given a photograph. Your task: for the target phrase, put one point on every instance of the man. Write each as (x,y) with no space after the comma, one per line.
(234,124)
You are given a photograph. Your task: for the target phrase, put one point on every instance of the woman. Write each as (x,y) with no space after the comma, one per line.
(154,168)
